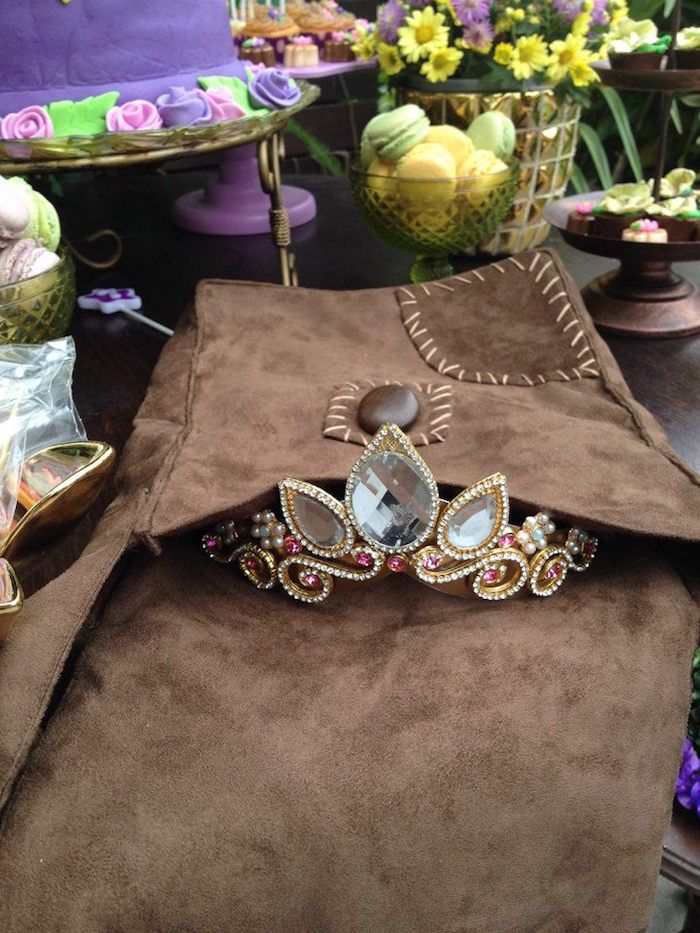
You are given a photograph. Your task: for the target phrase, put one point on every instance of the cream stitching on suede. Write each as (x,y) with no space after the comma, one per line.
(565,316)
(342,427)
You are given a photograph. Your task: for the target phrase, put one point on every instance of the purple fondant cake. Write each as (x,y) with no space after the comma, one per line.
(51,50)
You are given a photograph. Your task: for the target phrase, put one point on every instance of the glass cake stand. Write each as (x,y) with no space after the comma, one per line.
(644,297)
(258,137)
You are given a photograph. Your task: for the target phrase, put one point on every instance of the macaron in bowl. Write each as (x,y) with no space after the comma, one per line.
(40,305)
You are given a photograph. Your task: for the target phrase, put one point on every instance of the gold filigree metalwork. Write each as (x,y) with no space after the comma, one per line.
(416,533)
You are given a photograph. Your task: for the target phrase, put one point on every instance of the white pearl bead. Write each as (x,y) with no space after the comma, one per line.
(542,518)
(278,541)
(530,548)
(266,543)
(550,528)
(541,545)
(279,528)
(523,537)
(257,518)
(268,517)
(255,531)
(530,521)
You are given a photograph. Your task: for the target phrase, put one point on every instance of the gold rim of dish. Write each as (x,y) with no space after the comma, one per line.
(18,156)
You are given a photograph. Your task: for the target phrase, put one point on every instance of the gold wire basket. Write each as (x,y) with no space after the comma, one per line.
(41,307)
(546,137)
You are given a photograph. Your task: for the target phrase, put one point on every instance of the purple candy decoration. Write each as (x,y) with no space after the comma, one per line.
(180,107)
(273,88)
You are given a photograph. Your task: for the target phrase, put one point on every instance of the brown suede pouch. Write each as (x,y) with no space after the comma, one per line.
(394,761)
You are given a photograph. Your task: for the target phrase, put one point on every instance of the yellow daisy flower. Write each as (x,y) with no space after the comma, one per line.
(366,46)
(569,58)
(442,64)
(423,33)
(390,61)
(581,24)
(529,56)
(503,53)
(582,74)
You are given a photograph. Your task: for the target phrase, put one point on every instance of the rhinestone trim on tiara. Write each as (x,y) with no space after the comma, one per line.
(392,520)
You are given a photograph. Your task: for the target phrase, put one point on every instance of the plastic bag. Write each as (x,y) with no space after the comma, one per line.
(36,410)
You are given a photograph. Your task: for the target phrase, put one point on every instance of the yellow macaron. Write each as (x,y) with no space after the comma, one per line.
(457,143)
(427,173)
(381,177)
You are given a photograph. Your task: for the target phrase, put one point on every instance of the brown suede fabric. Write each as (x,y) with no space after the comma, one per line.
(396,761)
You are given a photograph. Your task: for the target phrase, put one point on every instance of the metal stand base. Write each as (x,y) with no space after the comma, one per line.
(644,299)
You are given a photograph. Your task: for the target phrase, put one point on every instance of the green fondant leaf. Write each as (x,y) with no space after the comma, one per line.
(238,89)
(81,117)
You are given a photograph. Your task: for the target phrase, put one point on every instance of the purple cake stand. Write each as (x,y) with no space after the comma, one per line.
(235,204)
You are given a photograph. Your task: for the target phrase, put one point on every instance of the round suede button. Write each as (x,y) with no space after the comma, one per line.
(396,404)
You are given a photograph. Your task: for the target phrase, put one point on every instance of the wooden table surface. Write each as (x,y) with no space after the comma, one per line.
(115,356)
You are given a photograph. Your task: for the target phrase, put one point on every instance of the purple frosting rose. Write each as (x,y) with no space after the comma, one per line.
(273,88)
(180,107)
(29,123)
(134,115)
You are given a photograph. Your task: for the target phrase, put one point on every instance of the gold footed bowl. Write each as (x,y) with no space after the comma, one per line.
(434,218)
(41,307)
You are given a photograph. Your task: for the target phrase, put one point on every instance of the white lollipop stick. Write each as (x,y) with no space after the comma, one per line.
(111,300)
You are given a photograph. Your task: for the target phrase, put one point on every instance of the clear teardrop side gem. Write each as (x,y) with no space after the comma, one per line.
(392,503)
(317,522)
(474,523)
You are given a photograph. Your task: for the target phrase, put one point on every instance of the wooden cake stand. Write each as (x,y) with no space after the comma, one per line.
(644,297)
(262,136)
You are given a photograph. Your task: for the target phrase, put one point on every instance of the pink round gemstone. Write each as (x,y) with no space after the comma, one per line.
(396,563)
(553,571)
(364,559)
(490,576)
(588,548)
(211,543)
(432,561)
(292,545)
(311,579)
(253,564)
(508,540)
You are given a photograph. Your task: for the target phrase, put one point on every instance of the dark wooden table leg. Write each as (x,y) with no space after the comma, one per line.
(692,919)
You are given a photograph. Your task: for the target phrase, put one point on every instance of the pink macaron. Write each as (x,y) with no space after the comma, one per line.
(23,259)
(14,212)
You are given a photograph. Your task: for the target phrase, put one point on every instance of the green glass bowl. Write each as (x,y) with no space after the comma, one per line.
(41,307)
(434,218)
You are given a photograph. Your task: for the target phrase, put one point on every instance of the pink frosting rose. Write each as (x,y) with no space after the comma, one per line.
(29,123)
(223,106)
(133,115)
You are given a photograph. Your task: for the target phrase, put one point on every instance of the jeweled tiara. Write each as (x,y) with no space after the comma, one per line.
(393,520)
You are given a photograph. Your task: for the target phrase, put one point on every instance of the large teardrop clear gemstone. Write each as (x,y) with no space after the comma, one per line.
(474,523)
(392,503)
(319,524)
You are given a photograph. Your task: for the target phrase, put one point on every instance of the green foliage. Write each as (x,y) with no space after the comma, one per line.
(317,150)
(627,125)
(598,155)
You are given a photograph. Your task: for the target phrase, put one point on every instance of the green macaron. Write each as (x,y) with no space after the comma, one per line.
(391,135)
(44,224)
(493,131)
